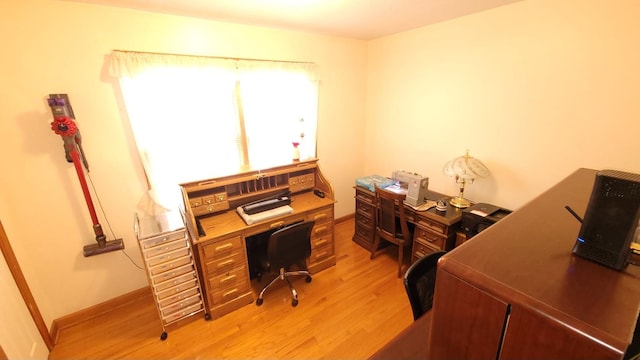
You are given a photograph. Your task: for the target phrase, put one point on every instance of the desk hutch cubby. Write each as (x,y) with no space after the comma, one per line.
(220,235)
(434,230)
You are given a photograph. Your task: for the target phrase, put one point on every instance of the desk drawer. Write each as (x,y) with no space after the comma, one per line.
(420,250)
(166,247)
(321,253)
(179,276)
(428,238)
(273,225)
(366,196)
(229,279)
(225,264)
(180,305)
(322,229)
(176,254)
(183,312)
(431,224)
(365,231)
(210,208)
(220,296)
(320,241)
(162,239)
(179,292)
(169,265)
(325,214)
(222,247)
(364,221)
(365,208)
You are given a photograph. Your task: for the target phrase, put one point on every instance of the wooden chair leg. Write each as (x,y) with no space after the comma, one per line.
(376,244)
(400,256)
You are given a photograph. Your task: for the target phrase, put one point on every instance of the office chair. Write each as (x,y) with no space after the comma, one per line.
(420,282)
(390,227)
(287,248)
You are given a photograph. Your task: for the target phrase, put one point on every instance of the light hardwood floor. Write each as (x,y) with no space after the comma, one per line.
(346,312)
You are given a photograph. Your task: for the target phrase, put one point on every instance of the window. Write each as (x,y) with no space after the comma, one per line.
(194,118)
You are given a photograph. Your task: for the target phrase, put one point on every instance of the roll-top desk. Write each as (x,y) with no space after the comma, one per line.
(220,235)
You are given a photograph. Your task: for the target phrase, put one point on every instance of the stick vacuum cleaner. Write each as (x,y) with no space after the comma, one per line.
(64,126)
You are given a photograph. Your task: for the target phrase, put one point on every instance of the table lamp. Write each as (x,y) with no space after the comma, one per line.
(464,169)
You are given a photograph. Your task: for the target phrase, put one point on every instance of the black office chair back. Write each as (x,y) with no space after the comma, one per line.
(420,282)
(290,245)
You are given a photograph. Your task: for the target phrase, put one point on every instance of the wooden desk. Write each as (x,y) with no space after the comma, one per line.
(516,291)
(434,230)
(221,253)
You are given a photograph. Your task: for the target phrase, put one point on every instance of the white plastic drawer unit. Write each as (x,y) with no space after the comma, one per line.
(168,256)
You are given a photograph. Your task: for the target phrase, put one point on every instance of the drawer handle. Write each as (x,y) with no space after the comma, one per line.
(321,242)
(224,247)
(226,263)
(320,217)
(230,293)
(321,255)
(419,254)
(319,230)
(276,224)
(365,208)
(227,279)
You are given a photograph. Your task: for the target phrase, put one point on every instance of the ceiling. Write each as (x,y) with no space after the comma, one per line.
(359,19)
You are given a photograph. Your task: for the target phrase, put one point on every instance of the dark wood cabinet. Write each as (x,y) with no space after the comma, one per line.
(517,291)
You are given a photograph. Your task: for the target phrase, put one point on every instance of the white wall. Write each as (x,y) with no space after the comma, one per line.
(54,46)
(535,90)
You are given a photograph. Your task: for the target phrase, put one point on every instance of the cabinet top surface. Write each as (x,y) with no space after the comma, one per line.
(527,258)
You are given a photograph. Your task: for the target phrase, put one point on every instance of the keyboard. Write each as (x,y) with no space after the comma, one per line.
(265,205)
(263,215)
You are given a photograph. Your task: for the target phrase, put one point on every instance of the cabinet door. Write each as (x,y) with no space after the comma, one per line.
(532,336)
(467,323)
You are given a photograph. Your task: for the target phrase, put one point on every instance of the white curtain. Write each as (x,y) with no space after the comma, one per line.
(185,115)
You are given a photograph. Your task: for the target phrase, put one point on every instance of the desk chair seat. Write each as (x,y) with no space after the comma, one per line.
(288,248)
(391,223)
(420,283)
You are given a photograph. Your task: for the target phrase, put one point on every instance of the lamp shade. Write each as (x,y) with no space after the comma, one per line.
(464,169)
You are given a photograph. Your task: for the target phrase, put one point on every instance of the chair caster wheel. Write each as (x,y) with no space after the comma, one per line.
(259,302)
(308,279)
(163,336)
(207,316)
(294,302)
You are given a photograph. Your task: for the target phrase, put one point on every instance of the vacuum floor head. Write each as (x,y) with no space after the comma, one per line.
(96,249)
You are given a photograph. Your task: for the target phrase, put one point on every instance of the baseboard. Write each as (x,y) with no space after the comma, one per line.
(345,218)
(96,310)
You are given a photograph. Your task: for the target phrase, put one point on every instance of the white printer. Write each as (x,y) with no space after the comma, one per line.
(415,184)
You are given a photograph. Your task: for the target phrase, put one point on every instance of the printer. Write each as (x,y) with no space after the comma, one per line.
(480,216)
(415,184)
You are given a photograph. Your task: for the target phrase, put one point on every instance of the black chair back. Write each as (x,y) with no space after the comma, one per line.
(420,282)
(290,245)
